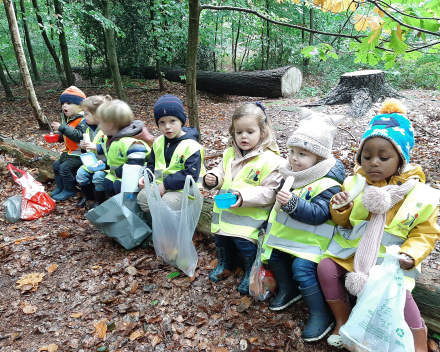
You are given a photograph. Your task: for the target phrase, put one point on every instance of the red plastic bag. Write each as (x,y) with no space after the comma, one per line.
(35,202)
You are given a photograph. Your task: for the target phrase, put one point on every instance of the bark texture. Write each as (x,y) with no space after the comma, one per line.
(5,83)
(29,43)
(360,89)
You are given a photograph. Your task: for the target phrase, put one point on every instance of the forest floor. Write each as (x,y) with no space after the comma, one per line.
(91,296)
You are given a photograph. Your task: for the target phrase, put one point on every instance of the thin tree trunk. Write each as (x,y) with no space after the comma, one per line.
(29,44)
(262,47)
(110,39)
(311,23)
(7,71)
(215,44)
(48,5)
(63,44)
(21,60)
(49,45)
(267,37)
(107,60)
(191,62)
(236,44)
(5,83)
(153,27)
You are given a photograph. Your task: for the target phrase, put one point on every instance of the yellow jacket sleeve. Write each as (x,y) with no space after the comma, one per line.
(341,216)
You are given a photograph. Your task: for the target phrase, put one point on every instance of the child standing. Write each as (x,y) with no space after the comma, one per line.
(394,194)
(300,232)
(128,141)
(70,131)
(249,169)
(92,183)
(175,155)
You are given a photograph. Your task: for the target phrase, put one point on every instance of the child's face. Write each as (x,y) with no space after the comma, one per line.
(108,128)
(301,159)
(70,109)
(90,118)
(247,132)
(170,127)
(379,159)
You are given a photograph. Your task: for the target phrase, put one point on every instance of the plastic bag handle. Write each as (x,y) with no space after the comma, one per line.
(11,168)
(154,183)
(187,185)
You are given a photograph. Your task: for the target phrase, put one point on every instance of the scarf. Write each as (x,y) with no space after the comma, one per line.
(377,201)
(304,177)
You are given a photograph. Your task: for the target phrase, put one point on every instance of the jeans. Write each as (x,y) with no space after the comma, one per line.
(66,167)
(84,177)
(112,188)
(246,247)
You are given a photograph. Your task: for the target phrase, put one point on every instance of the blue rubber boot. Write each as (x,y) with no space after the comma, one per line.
(60,186)
(320,320)
(69,191)
(243,287)
(225,262)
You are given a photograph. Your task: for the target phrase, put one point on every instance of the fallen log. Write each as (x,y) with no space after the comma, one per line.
(30,155)
(280,82)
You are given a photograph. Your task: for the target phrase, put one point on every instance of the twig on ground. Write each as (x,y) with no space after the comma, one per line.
(424,129)
(213,156)
(5,337)
(136,262)
(343,129)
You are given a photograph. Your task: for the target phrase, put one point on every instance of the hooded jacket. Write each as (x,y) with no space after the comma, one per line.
(193,164)
(421,239)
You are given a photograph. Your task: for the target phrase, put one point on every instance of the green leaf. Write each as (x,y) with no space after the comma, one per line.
(430,25)
(396,44)
(307,51)
(436,336)
(153,303)
(173,275)
(414,55)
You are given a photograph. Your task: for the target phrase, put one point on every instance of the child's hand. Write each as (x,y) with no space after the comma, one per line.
(341,198)
(210,180)
(141,182)
(162,189)
(88,145)
(239,200)
(283,197)
(100,162)
(406,263)
(55,125)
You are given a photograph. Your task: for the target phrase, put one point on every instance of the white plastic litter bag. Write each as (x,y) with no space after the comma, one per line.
(12,209)
(173,230)
(377,322)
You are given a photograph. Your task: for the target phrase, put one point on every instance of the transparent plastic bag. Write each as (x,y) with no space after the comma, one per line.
(173,230)
(12,209)
(377,322)
(262,283)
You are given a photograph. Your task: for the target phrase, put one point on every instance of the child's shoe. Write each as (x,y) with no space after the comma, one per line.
(69,191)
(320,321)
(341,310)
(87,191)
(60,186)
(420,336)
(100,198)
(225,262)
(243,287)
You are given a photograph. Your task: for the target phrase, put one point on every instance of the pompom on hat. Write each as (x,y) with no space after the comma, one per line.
(169,105)
(72,95)
(392,125)
(315,132)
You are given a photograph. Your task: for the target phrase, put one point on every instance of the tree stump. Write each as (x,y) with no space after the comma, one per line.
(361,89)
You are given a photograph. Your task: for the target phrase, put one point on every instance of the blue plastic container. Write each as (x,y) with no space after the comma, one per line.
(89,160)
(224,201)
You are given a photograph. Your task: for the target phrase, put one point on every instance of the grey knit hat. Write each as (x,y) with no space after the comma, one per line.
(315,132)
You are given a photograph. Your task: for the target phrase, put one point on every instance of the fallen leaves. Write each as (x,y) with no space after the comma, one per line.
(29,282)
(131,270)
(27,308)
(50,348)
(100,330)
(155,339)
(76,315)
(52,268)
(136,335)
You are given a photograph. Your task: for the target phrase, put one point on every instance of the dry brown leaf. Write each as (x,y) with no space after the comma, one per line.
(131,270)
(29,282)
(212,265)
(246,301)
(50,348)
(190,332)
(27,308)
(25,238)
(64,234)
(133,286)
(154,339)
(76,315)
(253,339)
(136,335)
(52,268)
(100,330)
(221,349)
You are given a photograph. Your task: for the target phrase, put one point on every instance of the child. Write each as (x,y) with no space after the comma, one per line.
(394,193)
(249,169)
(175,155)
(128,141)
(70,131)
(302,228)
(86,178)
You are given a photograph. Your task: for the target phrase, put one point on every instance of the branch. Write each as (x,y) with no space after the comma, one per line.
(233,8)
(408,15)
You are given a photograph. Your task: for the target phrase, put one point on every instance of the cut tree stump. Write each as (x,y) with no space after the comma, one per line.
(361,89)
(280,82)
(30,155)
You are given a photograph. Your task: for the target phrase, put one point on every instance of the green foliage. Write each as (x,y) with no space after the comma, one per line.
(173,275)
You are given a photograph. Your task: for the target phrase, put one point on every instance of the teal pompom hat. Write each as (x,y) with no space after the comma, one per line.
(394,127)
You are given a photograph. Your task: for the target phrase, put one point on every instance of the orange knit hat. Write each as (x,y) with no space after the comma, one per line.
(72,95)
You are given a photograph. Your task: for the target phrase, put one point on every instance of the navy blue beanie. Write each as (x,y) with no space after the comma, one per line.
(72,95)
(169,105)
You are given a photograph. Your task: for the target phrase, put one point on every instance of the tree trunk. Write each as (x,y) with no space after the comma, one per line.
(312,26)
(63,43)
(49,45)
(110,39)
(5,83)
(21,60)
(153,29)
(191,62)
(280,82)
(29,43)
(361,89)
(7,71)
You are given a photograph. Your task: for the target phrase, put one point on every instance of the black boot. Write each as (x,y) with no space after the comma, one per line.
(100,198)
(320,320)
(69,191)
(87,191)
(60,185)
(243,287)
(225,262)
(288,289)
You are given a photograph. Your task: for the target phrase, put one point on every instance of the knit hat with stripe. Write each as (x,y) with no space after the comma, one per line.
(72,95)
(169,105)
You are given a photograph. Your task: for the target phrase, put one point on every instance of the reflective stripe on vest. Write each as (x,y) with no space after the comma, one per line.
(183,151)
(298,238)
(97,137)
(244,222)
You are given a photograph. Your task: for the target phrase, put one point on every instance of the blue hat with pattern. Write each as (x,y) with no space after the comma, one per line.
(394,127)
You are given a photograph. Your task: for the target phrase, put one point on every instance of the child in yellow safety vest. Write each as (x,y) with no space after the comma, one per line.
(249,169)
(299,233)
(394,208)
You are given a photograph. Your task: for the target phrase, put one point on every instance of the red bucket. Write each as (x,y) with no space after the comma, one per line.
(51,138)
